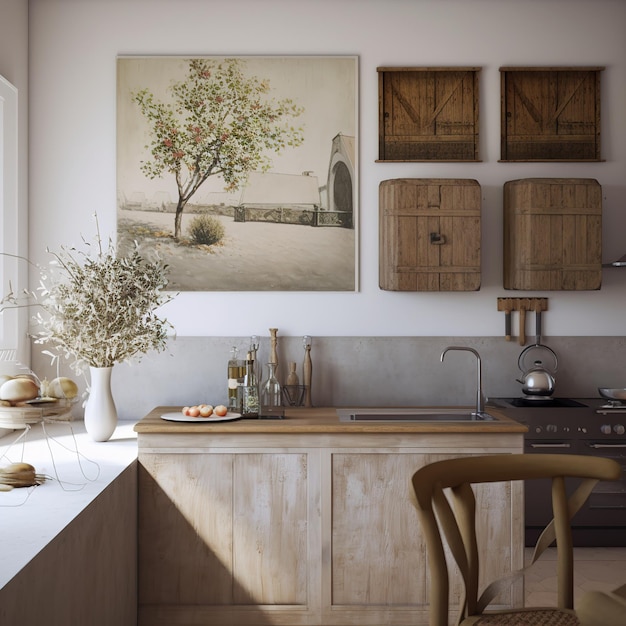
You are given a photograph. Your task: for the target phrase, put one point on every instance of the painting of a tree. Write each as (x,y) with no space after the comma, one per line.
(241,172)
(219,124)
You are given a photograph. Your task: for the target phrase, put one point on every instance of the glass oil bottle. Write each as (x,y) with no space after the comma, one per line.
(250,392)
(236,373)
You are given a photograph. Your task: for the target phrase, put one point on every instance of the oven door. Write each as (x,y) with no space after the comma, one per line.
(607,503)
(602,520)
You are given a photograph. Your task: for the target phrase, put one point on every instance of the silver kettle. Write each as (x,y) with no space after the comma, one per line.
(537,380)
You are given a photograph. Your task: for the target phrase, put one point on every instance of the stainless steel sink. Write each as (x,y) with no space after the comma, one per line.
(411,415)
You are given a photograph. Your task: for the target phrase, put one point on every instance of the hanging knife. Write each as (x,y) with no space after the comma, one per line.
(506,305)
(541,304)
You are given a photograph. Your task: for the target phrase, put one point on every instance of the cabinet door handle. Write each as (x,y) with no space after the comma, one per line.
(437,239)
(550,445)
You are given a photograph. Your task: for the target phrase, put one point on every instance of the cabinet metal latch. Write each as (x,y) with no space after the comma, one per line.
(437,239)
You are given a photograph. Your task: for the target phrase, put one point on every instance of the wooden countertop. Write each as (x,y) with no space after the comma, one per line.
(321,420)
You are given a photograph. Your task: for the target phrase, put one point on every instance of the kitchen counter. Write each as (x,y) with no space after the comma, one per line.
(321,420)
(303,520)
(69,543)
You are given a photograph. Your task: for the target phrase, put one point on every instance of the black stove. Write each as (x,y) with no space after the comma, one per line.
(590,426)
(612,406)
(541,401)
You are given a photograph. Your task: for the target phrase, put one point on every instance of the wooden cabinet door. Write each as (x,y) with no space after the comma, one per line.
(430,236)
(550,114)
(379,560)
(221,535)
(552,234)
(428,114)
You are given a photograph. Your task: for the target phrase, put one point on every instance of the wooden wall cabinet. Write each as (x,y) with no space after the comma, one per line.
(552,234)
(428,114)
(550,113)
(430,235)
(248,530)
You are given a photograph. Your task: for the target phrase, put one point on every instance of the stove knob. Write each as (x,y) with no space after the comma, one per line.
(551,428)
(538,429)
(565,429)
(582,429)
(605,429)
(619,429)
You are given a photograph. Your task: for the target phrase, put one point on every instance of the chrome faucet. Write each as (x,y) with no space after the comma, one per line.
(480,401)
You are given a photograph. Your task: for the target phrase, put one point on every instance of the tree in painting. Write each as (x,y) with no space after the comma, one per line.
(220,123)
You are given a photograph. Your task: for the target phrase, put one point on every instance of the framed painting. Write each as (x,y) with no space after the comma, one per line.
(242,172)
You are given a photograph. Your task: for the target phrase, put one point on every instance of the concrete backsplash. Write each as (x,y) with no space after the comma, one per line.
(365,371)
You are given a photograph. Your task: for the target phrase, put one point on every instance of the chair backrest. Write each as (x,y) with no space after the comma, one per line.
(458,524)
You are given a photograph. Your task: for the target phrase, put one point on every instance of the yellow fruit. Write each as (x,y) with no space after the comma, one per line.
(62,388)
(4,378)
(19,389)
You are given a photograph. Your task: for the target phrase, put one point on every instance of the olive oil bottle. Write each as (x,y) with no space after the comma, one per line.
(236,373)
(250,392)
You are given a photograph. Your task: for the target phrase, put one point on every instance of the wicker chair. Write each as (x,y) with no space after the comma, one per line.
(457,525)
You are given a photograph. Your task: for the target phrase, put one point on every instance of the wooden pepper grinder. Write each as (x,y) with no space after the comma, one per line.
(307,370)
(292,378)
(274,349)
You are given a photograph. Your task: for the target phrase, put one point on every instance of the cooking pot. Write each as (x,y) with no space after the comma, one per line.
(612,394)
(537,380)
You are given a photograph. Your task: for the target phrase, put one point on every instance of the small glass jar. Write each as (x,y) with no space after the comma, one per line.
(271,395)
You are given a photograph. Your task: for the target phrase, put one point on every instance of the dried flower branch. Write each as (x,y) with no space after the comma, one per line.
(99,310)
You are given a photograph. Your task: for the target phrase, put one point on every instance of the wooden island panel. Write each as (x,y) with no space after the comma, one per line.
(300,529)
(378,551)
(193,508)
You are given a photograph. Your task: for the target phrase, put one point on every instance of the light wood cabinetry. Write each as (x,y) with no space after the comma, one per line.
(550,113)
(428,113)
(429,234)
(553,234)
(299,528)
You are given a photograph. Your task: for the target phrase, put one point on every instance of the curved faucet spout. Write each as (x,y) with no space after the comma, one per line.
(480,401)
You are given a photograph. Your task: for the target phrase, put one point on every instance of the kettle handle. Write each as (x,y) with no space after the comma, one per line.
(524,353)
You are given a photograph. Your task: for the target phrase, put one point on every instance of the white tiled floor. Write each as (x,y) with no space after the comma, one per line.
(594,569)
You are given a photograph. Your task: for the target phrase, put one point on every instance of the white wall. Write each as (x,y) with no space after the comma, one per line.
(73,48)
(14,68)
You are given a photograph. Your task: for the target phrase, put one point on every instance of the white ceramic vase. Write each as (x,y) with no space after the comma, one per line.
(100,411)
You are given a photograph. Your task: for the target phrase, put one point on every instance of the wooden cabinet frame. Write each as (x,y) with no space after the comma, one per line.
(552,234)
(430,234)
(550,113)
(428,113)
(302,529)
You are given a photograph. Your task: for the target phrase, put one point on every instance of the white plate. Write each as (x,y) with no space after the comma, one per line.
(179,417)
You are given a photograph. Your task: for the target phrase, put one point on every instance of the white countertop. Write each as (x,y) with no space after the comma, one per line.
(78,470)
